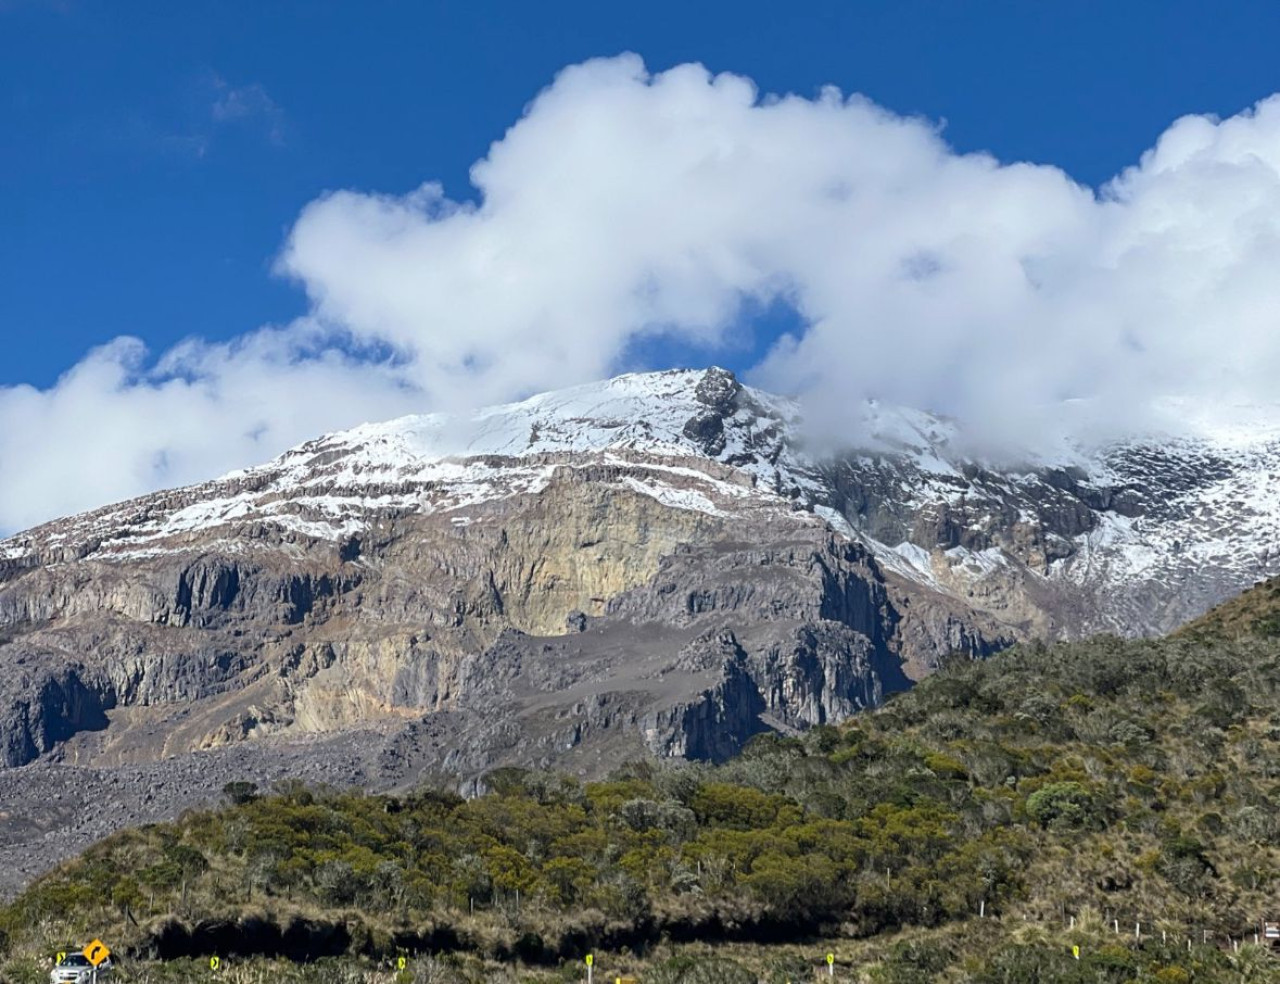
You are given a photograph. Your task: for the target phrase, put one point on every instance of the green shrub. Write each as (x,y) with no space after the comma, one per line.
(1063,805)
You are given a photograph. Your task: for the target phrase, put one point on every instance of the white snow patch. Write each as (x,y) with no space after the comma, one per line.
(905,559)
(676,498)
(977,562)
(836,521)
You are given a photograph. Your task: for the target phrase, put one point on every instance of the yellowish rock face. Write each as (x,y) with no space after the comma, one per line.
(570,549)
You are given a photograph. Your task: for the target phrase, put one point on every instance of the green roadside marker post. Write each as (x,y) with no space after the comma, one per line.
(590,962)
(831,965)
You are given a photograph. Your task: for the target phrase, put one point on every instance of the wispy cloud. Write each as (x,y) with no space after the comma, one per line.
(206,111)
(248,105)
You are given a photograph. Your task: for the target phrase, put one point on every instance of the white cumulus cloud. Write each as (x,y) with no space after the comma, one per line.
(119,424)
(625,204)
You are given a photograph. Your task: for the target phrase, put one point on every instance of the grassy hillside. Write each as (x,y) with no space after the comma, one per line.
(1059,791)
(1256,612)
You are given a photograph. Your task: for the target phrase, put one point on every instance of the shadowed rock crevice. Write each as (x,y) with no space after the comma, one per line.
(60,705)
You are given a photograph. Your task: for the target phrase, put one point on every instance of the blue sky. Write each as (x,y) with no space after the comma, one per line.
(128,207)
(227,227)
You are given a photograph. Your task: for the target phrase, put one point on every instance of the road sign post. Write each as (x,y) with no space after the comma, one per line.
(96,952)
(590,962)
(831,965)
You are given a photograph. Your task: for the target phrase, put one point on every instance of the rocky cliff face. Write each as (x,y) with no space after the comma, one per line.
(649,565)
(705,621)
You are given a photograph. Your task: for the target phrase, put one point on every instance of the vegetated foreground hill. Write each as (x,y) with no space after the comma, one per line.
(653,565)
(1059,789)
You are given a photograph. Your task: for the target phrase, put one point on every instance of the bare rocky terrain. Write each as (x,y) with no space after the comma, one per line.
(649,566)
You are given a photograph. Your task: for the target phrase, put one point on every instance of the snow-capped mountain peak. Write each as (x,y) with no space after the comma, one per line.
(647,413)
(1188,520)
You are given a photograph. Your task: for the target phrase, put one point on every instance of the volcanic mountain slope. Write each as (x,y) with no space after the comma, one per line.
(576,571)
(651,562)
(403,568)
(650,565)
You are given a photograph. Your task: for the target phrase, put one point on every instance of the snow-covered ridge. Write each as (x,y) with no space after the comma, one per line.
(335,486)
(639,412)
(1174,513)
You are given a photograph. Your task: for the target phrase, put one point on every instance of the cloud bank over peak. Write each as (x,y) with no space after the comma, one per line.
(626,206)
(625,203)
